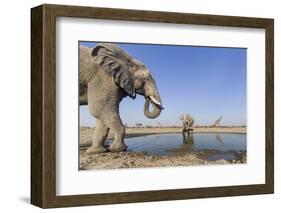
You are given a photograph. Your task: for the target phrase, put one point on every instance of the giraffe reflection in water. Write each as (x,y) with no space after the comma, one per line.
(218,139)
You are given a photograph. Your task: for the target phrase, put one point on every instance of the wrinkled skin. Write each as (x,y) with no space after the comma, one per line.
(107,75)
(187,123)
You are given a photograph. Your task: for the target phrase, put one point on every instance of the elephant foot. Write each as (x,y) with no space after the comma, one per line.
(118,147)
(95,150)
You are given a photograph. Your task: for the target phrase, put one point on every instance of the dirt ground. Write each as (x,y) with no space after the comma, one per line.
(131,159)
(139,160)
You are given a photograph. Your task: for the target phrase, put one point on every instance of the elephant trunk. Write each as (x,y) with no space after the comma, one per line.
(156,110)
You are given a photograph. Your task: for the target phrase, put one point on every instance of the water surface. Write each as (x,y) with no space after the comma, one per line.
(212,146)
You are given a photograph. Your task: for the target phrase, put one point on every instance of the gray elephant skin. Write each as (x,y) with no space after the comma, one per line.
(107,74)
(187,122)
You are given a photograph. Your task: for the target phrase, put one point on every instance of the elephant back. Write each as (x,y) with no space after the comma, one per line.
(87,66)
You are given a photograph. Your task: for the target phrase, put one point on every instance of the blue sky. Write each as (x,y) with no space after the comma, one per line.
(205,82)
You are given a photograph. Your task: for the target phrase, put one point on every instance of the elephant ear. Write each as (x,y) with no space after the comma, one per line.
(117,63)
(181,117)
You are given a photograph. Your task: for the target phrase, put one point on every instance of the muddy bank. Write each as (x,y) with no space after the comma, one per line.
(140,160)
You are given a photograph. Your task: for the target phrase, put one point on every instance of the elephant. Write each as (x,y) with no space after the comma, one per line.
(187,122)
(107,74)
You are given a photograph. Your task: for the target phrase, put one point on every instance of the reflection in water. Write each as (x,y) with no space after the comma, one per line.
(218,139)
(189,146)
(187,142)
(212,146)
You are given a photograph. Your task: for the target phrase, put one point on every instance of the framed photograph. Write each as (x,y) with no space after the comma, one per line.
(136,106)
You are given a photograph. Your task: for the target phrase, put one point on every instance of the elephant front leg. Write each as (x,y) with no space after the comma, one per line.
(99,137)
(118,130)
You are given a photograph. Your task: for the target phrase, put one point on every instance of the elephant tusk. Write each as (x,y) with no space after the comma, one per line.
(154,100)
